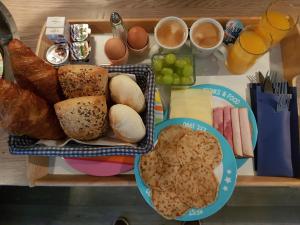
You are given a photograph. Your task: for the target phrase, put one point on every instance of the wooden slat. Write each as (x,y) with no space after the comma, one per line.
(257,181)
(129,180)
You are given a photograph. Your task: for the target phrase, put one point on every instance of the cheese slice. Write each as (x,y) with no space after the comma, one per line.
(191,103)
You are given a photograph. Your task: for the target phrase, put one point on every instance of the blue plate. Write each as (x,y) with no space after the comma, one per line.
(228,170)
(237,101)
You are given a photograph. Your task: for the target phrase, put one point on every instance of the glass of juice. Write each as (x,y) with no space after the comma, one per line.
(249,46)
(279,19)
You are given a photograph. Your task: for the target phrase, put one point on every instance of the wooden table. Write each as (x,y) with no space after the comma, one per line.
(30,15)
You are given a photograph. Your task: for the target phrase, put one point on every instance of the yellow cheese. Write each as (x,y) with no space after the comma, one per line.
(191,103)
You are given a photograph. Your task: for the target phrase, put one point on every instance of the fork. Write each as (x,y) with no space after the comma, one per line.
(252,78)
(281,88)
(283,102)
(273,77)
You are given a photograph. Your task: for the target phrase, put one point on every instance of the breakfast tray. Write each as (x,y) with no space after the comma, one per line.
(22,145)
(40,169)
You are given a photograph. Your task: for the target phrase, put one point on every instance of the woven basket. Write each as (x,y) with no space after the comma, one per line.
(22,145)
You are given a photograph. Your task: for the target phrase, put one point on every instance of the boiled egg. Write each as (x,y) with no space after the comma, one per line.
(137,37)
(115,48)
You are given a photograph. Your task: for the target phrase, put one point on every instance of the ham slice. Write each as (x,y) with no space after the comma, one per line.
(245,133)
(218,119)
(236,133)
(227,129)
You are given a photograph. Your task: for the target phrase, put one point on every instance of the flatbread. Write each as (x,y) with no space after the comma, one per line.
(180,170)
(150,168)
(167,143)
(187,147)
(212,151)
(168,204)
(168,176)
(199,145)
(196,185)
(208,184)
(212,188)
(186,186)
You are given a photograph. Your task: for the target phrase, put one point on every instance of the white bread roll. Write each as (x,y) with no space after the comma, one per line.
(126,123)
(124,90)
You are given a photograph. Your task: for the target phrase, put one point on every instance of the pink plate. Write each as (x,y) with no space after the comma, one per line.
(98,168)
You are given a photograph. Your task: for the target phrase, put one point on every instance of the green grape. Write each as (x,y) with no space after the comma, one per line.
(157,64)
(187,60)
(187,71)
(180,63)
(187,80)
(167,79)
(170,59)
(178,71)
(158,78)
(167,71)
(176,79)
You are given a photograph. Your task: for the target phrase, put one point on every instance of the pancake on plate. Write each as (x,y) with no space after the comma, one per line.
(180,170)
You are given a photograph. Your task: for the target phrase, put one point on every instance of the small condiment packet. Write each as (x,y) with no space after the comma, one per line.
(57,30)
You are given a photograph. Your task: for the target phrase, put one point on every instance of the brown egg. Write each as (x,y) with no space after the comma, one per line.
(137,37)
(114,48)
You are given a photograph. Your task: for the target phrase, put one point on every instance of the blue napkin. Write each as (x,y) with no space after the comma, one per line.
(295,132)
(274,156)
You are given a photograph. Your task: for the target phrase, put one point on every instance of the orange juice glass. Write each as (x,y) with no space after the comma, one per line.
(278,20)
(246,50)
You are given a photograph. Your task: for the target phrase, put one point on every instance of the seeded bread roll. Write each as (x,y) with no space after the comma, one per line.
(83,80)
(83,118)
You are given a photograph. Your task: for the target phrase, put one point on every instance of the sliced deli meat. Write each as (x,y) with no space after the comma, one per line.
(247,146)
(218,119)
(227,129)
(236,132)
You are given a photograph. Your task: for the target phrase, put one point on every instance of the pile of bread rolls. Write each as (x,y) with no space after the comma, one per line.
(84,115)
(85,102)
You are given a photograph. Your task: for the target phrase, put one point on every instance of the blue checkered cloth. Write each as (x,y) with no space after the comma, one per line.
(22,145)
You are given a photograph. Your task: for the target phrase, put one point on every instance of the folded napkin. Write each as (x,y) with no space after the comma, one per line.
(274,139)
(276,129)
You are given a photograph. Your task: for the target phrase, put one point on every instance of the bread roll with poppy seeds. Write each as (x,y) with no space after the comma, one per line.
(83,80)
(83,118)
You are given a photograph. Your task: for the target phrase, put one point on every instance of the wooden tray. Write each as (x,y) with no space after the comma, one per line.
(38,167)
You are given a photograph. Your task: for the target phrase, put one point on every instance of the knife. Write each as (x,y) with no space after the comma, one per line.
(261,78)
(268,88)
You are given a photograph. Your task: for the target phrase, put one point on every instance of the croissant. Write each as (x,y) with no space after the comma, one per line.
(24,113)
(32,73)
